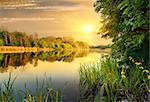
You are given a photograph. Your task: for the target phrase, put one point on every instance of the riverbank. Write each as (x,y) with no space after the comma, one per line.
(106,81)
(21,49)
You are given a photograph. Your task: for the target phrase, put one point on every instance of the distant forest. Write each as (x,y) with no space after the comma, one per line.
(100,47)
(23,39)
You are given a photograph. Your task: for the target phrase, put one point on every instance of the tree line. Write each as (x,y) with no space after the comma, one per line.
(22,39)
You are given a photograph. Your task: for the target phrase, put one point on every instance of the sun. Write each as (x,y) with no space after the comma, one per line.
(88,28)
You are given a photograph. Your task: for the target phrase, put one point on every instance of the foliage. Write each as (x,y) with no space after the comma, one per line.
(100,47)
(127,23)
(22,39)
(112,83)
(1,42)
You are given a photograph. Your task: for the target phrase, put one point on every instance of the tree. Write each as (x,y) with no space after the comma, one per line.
(2,42)
(68,40)
(127,23)
(43,43)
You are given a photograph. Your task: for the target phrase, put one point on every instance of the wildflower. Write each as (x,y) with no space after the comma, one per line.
(138,63)
(146,71)
(123,76)
(142,60)
(127,67)
(149,77)
(141,67)
(130,58)
(122,72)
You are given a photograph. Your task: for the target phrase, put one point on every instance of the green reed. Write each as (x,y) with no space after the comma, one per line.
(43,93)
(106,81)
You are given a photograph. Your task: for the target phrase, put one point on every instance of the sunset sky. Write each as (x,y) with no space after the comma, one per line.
(75,18)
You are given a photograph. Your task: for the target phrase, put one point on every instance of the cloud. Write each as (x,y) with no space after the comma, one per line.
(6,20)
(57,8)
(45,5)
(15,6)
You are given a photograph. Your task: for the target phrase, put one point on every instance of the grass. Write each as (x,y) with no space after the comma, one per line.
(107,81)
(44,92)
(89,79)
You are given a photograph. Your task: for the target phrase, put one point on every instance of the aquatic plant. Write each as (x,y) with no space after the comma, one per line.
(107,81)
(43,93)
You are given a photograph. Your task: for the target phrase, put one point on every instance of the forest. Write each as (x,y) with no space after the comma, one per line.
(23,39)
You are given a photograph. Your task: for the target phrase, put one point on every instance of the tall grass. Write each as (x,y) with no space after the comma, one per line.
(89,80)
(107,81)
(43,93)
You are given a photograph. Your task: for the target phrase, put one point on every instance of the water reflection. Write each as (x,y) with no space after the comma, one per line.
(21,59)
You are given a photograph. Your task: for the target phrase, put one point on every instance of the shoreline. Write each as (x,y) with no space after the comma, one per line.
(21,49)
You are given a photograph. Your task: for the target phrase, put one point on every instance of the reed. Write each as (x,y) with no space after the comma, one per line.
(43,93)
(107,81)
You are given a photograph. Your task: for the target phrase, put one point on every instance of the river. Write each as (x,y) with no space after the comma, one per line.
(62,68)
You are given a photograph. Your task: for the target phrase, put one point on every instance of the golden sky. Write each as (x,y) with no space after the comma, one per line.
(75,18)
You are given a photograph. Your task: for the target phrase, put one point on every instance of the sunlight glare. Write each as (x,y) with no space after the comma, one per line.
(88,28)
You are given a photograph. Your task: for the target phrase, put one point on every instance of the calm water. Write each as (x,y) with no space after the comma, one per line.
(62,67)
